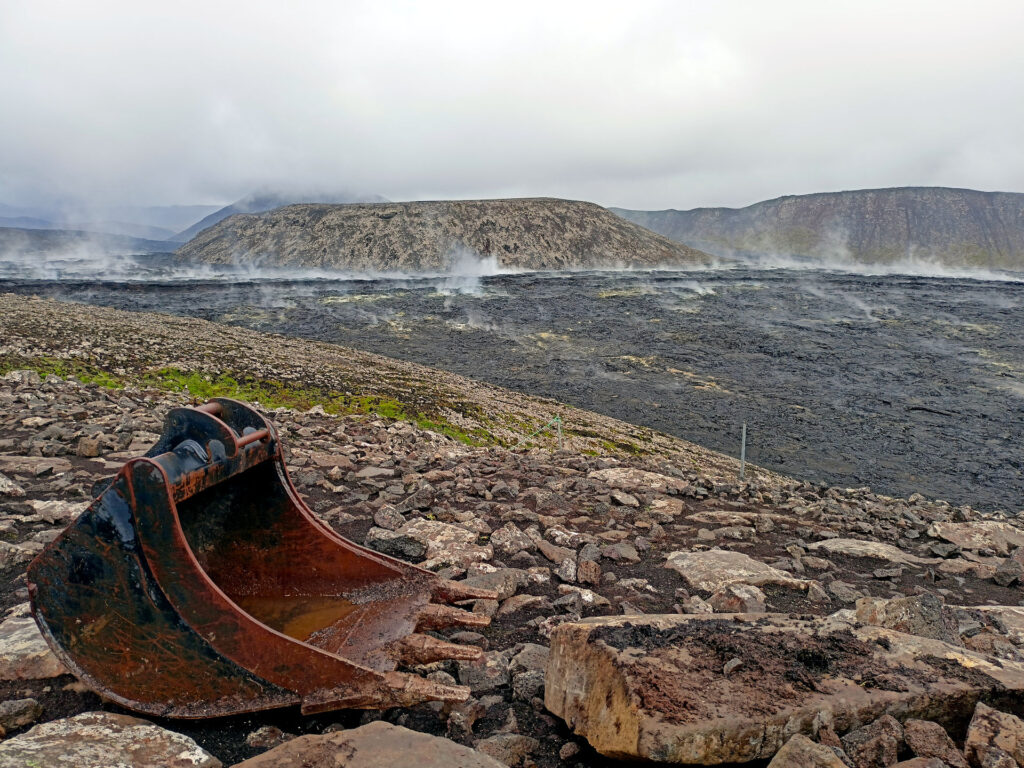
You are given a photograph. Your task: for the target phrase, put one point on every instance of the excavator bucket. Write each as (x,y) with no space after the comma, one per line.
(199,584)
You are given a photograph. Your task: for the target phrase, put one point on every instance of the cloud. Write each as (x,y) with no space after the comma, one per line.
(645,104)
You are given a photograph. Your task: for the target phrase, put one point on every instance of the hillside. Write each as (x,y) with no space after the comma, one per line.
(715,607)
(956,227)
(538,233)
(266,201)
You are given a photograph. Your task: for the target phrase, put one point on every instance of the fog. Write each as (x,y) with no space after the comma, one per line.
(642,105)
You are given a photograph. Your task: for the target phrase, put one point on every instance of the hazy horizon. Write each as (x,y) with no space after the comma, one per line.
(652,106)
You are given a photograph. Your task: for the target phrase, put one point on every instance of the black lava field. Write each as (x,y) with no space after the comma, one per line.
(904,383)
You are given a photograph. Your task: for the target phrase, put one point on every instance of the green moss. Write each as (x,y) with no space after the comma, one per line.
(46,366)
(276,394)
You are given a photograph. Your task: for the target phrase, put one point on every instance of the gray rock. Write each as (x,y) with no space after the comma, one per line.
(17,713)
(1009,572)
(509,749)
(922,615)
(621,552)
(487,673)
(509,540)
(504,581)
(389,518)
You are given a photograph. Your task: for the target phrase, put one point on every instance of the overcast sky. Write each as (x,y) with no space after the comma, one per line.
(638,104)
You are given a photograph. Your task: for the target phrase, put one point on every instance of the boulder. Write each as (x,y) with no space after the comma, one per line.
(801,752)
(875,549)
(738,598)
(876,745)
(999,536)
(993,736)
(654,687)
(508,540)
(374,745)
(396,544)
(717,568)
(102,740)
(930,740)
(505,581)
(24,654)
(509,749)
(447,544)
(486,673)
(10,488)
(922,615)
(628,479)
(17,713)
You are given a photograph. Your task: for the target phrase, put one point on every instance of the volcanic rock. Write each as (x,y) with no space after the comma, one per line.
(371,746)
(101,740)
(928,739)
(922,615)
(447,544)
(994,736)
(652,686)
(876,745)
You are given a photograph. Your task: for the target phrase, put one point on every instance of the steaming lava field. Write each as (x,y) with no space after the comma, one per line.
(904,383)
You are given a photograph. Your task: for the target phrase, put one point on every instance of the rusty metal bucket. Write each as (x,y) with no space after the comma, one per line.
(199,584)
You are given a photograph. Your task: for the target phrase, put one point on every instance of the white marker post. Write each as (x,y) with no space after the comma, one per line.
(743,451)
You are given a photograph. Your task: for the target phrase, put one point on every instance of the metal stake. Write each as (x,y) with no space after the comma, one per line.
(558,423)
(743,451)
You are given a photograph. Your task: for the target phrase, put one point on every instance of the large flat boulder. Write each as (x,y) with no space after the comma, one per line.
(655,687)
(999,536)
(376,745)
(876,549)
(103,740)
(717,568)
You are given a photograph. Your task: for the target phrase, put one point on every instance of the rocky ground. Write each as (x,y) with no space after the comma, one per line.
(729,622)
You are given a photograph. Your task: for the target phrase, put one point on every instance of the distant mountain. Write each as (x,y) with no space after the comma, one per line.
(432,236)
(267,201)
(26,222)
(955,227)
(49,242)
(154,222)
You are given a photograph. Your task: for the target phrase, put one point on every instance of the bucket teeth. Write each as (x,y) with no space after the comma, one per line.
(454,591)
(435,616)
(423,649)
(395,689)
(407,690)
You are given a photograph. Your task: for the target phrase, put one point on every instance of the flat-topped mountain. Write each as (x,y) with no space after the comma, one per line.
(949,226)
(536,233)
